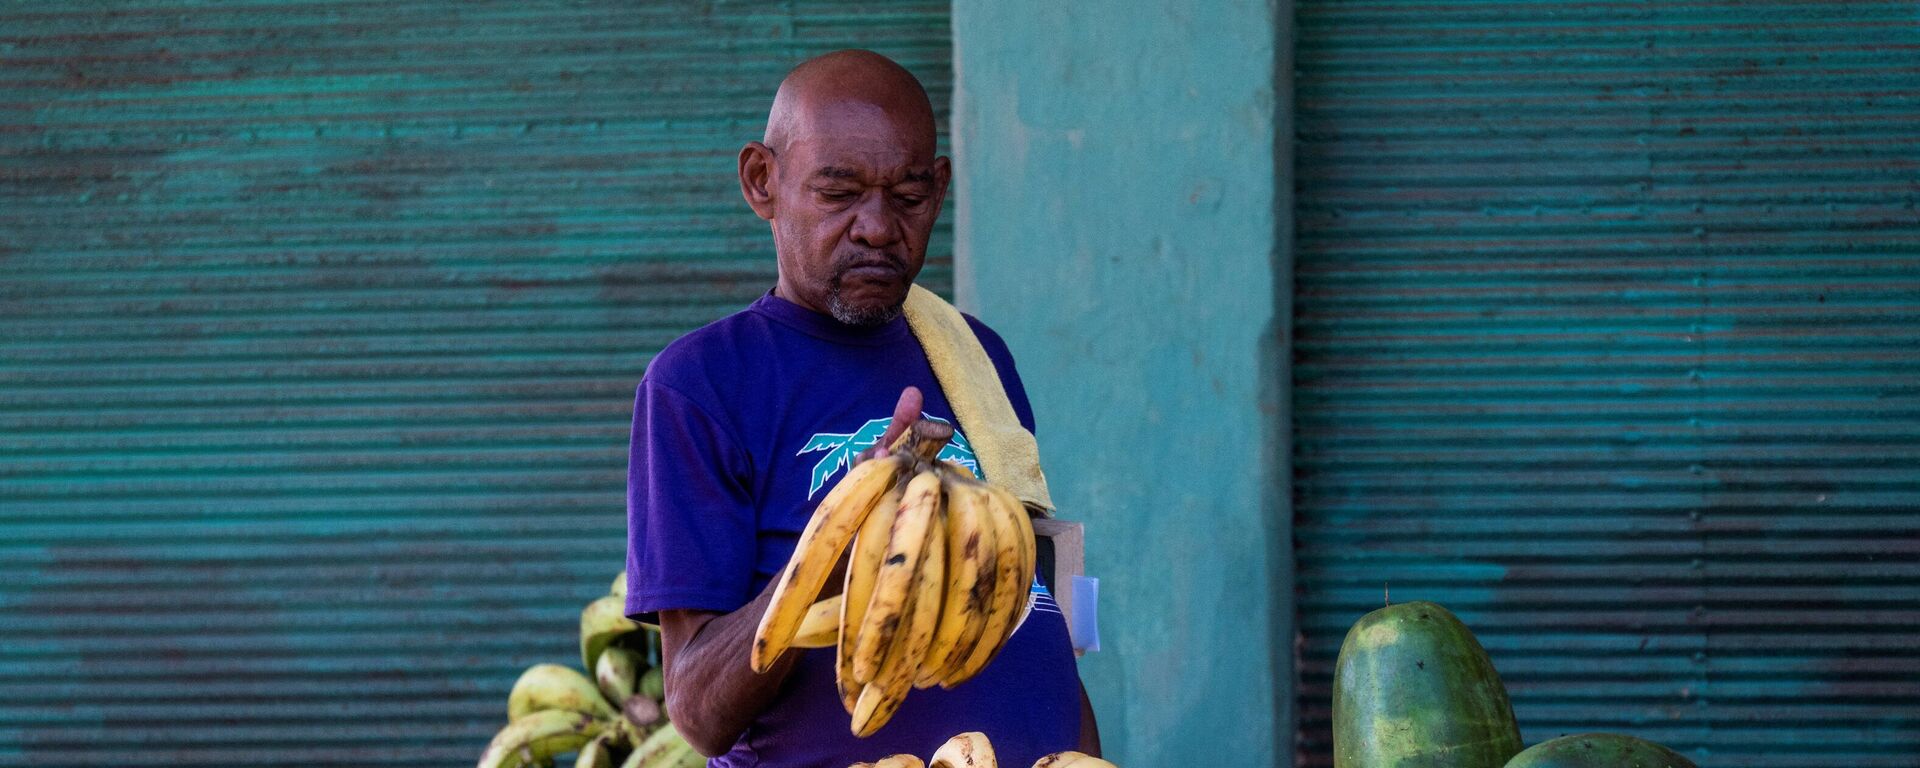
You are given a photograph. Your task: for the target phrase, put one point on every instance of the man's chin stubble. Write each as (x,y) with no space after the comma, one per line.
(860,317)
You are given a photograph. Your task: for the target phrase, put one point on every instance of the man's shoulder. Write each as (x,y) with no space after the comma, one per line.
(988,337)
(720,350)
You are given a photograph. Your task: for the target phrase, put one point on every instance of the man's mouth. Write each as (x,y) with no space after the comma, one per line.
(872,271)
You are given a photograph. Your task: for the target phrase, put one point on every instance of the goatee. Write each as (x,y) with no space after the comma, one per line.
(859,317)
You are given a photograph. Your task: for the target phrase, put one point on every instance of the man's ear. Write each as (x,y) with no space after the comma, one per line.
(756,178)
(942,174)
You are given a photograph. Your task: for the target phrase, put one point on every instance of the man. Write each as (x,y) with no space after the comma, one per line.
(741,426)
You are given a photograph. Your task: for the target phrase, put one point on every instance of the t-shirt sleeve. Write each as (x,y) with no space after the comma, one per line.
(690,512)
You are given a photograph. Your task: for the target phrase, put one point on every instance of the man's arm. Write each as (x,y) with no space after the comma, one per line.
(709,649)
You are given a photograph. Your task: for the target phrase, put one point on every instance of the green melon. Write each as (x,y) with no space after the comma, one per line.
(1598,750)
(1414,689)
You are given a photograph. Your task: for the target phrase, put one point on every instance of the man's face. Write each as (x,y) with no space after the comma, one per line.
(856,195)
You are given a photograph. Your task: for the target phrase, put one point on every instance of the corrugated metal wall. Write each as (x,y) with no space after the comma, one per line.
(1608,325)
(319,329)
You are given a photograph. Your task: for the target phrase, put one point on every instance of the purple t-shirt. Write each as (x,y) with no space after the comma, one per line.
(739,428)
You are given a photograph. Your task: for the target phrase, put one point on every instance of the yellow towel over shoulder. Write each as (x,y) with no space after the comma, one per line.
(1007,452)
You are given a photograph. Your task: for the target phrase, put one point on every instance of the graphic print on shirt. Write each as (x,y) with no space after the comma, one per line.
(841,447)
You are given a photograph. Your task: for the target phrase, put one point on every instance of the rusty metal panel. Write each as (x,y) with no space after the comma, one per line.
(319,330)
(1608,322)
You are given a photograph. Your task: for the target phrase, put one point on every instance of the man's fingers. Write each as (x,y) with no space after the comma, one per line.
(905,413)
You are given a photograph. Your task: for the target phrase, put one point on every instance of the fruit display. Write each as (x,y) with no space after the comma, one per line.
(937,576)
(1598,750)
(1413,688)
(614,718)
(973,750)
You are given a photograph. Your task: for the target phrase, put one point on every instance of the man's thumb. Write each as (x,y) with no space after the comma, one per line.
(905,413)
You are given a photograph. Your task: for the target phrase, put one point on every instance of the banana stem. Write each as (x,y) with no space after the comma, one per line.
(928,437)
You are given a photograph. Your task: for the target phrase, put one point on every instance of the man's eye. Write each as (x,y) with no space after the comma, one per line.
(911,201)
(836,195)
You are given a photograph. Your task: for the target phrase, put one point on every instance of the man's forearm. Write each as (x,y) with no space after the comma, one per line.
(724,694)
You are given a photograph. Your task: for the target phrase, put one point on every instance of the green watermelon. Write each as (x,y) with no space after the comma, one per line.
(1414,689)
(1598,750)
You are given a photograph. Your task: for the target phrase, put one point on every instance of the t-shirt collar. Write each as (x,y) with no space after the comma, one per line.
(823,326)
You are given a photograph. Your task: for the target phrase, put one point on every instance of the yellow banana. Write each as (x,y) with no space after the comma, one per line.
(1022,524)
(619,585)
(958,468)
(900,761)
(597,753)
(929,586)
(869,549)
(536,738)
(970,578)
(892,681)
(603,621)
(821,627)
(551,686)
(817,552)
(1029,546)
(1009,593)
(894,678)
(617,673)
(967,750)
(887,609)
(882,697)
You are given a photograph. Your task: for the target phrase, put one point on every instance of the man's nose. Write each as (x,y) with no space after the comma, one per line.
(874,225)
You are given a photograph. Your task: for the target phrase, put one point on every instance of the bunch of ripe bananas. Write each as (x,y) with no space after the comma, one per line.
(937,578)
(973,750)
(614,719)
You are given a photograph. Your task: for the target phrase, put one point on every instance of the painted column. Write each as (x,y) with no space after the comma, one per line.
(1121,200)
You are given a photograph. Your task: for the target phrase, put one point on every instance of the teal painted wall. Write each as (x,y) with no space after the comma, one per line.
(1116,202)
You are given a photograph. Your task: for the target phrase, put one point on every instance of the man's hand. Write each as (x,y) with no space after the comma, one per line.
(905,413)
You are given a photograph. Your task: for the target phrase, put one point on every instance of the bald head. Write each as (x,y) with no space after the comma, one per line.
(848,179)
(854,80)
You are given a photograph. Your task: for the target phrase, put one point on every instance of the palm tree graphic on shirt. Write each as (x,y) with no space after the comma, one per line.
(841,447)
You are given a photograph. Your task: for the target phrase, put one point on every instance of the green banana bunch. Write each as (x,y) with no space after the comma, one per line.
(535,738)
(604,621)
(618,673)
(551,686)
(664,749)
(598,753)
(614,718)
(653,685)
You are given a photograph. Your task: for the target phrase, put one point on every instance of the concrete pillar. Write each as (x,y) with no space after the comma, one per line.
(1122,197)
